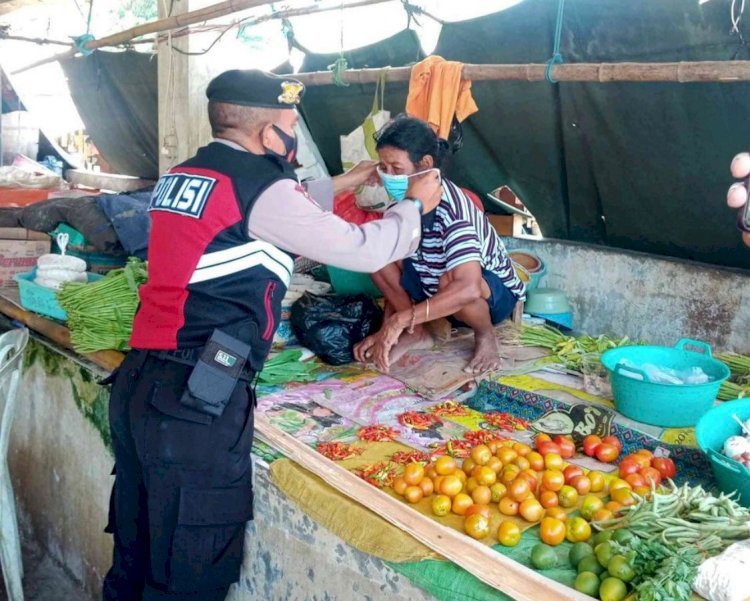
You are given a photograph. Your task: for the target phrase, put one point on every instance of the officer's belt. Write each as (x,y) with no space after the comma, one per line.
(190,356)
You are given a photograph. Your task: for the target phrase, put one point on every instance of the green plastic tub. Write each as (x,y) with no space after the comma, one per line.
(712,430)
(42,300)
(351,282)
(666,405)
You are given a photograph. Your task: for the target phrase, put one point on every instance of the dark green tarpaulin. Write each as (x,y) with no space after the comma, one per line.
(630,165)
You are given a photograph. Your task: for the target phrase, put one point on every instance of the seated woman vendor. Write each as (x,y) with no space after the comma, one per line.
(461,269)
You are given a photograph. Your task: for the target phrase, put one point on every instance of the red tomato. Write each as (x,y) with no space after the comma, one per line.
(666,467)
(640,459)
(606,452)
(572,471)
(566,445)
(590,444)
(546,447)
(629,466)
(635,480)
(651,473)
(542,437)
(613,440)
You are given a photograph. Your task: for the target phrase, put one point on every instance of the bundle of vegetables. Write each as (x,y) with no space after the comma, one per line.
(100,314)
(568,350)
(738,385)
(684,516)
(286,367)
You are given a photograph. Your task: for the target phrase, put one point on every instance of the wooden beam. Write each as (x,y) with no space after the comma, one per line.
(58,334)
(683,72)
(491,567)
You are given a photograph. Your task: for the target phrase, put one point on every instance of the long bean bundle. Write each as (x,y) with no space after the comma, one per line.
(738,385)
(100,314)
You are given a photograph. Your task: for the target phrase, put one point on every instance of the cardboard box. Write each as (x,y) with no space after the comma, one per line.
(19,256)
(507,225)
(19,233)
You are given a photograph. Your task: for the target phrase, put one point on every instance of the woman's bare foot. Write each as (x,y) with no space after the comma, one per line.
(486,353)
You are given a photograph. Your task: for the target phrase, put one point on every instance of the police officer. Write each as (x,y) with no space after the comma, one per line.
(225,226)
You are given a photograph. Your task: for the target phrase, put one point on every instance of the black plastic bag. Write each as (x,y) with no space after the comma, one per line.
(330,325)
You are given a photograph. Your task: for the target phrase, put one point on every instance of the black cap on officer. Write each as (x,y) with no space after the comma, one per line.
(252,87)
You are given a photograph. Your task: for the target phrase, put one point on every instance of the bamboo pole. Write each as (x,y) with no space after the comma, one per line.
(683,72)
(491,567)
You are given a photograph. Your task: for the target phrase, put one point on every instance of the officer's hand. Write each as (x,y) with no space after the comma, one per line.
(427,188)
(362,174)
(737,195)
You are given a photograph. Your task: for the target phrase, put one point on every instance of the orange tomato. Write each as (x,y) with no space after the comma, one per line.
(495,444)
(642,491)
(498,490)
(556,512)
(635,480)
(614,441)
(508,533)
(531,476)
(597,481)
(552,531)
(531,510)
(536,461)
(510,473)
(438,483)
(471,485)
(568,496)
(495,464)
(461,475)
(651,474)
(553,461)
(539,438)
(607,453)
(553,480)
(590,504)
(481,494)
(613,506)
(642,460)
(582,484)
(645,452)
(522,449)
(602,514)
(590,444)
(481,454)
(413,473)
(451,485)
(427,486)
(441,505)
(572,471)
(578,530)
(618,483)
(477,526)
(485,476)
(566,445)
(461,502)
(522,463)
(519,489)
(623,496)
(507,455)
(431,472)
(545,448)
(413,494)
(399,486)
(548,498)
(477,508)
(445,465)
(629,466)
(508,506)
(467,466)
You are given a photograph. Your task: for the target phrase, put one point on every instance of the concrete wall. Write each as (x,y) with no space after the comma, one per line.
(647,297)
(60,465)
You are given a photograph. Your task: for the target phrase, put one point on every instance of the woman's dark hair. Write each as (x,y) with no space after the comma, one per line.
(413,136)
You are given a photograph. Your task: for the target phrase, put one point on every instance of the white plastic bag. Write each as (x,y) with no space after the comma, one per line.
(359,145)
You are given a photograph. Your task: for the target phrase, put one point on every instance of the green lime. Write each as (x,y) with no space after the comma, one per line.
(619,567)
(622,536)
(612,589)
(587,583)
(578,551)
(590,564)
(602,537)
(604,575)
(543,557)
(604,553)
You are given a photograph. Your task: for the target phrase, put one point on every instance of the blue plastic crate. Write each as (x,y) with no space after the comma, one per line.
(42,300)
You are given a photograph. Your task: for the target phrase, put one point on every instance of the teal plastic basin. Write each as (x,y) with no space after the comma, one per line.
(666,405)
(711,431)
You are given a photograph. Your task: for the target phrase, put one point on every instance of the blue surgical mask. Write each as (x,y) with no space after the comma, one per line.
(397,185)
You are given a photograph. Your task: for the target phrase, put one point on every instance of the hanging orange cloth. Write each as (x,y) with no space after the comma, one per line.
(437,93)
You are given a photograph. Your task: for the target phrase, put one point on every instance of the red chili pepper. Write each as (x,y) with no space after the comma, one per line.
(417,420)
(338,451)
(404,457)
(378,474)
(449,408)
(377,433)
(478,437)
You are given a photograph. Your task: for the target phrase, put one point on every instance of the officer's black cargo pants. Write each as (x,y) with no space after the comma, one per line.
(183,487)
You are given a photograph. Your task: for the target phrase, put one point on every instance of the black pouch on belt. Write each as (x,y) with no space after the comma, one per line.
(215,374)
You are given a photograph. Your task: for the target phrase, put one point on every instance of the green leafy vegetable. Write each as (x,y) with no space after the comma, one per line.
(286,367)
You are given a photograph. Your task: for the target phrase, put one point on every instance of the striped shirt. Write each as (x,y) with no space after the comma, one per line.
(457,232)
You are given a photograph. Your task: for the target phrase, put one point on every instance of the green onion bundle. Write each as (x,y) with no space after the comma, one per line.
(738,385)
(100,314)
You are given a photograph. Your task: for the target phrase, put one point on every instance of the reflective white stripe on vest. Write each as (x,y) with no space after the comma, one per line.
(238,258)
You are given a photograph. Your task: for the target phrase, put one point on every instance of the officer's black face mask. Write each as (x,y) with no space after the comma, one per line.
(290,146)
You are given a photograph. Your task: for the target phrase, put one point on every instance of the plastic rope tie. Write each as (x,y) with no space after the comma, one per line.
(557,58)
(338,68)
(81,41)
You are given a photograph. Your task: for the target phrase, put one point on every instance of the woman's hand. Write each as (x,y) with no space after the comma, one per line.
(385,340)
(737,195)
